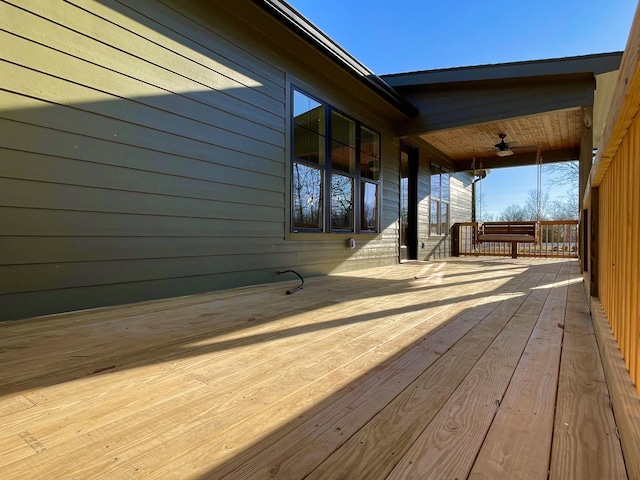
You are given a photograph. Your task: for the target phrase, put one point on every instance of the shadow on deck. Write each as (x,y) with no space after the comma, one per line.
(453,369)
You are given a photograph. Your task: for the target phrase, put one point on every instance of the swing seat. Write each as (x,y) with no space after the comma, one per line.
(511,232)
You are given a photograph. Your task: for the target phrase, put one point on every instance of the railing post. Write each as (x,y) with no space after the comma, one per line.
(455,240)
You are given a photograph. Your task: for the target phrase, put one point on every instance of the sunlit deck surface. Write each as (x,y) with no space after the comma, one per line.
(452,369)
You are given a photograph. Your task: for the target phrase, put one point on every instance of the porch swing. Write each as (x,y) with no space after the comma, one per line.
(513,232)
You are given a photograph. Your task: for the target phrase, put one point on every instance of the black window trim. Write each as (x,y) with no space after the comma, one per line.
(327,170)
(439,201)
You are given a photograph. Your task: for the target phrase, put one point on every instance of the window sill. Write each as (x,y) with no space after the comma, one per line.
(330,237)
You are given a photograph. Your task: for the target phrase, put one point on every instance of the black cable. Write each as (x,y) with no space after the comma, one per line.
(289,292)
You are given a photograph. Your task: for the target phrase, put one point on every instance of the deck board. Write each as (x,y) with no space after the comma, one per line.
(583,412)
(518,443)
(390,372)
(379,445)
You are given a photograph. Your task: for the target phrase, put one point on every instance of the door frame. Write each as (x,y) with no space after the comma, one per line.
(411,241)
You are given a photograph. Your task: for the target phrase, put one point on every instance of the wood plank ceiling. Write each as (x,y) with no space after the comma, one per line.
(558,130)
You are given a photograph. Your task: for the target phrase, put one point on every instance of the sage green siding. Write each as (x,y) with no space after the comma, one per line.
(143,152)
(143,155)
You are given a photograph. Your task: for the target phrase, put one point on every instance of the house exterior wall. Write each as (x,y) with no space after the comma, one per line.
(430,246)
(145,153)
(438,247)
(138,148)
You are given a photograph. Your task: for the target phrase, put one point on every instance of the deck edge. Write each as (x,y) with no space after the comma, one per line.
(624,398)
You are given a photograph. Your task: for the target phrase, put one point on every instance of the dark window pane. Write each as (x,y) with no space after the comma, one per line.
(444,185)
(308,113)
(307,197)
(404,204)
(343,158)
(343,129)
(343,143)
(369,207)
(369,154)
(444,218)
(341,203)
(435,181)
(434,208)
(369,142)
(308,146)
(369,167)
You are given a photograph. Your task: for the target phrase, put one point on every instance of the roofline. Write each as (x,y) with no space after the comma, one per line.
(592,64)
(295,21)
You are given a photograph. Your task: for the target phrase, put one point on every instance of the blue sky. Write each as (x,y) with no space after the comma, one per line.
(409,35)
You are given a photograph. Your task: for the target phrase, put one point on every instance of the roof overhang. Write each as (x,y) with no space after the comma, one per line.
(587,64)
(539,104)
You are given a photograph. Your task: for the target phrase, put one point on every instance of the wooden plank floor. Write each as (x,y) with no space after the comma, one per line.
(453,369)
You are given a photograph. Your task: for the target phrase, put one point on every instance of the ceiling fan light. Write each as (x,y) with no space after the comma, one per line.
(504,153)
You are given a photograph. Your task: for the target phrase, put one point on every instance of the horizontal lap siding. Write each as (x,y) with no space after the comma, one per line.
(460,198)
(142,156)
(459,211)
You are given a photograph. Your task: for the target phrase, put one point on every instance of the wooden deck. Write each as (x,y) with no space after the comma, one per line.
(455,369)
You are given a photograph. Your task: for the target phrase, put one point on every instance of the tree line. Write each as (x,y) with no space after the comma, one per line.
(538,205)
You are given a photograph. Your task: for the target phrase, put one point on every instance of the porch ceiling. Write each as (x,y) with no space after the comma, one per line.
(538,105)
(556,134)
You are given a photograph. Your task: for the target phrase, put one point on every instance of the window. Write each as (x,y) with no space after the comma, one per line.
(335,170)
(439,204)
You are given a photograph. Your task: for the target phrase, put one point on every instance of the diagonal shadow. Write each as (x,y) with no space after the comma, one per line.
(82,344)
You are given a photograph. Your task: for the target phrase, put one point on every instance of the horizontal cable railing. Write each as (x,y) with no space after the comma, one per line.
(554,238)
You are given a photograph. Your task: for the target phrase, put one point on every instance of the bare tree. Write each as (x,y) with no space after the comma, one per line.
(563,174)
(481,207)
(533,210)
(513,213)
(307,191)
(565,208)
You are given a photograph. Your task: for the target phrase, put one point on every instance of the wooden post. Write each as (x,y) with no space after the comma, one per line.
(586,157)
(594,213)
(455,240)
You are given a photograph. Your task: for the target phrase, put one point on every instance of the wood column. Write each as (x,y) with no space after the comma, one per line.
(586,157)
(594,213)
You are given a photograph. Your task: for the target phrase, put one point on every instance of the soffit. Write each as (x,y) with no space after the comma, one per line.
(557,131)
(541,106)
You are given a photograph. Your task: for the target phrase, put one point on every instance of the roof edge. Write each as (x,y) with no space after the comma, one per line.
(594,64)
(292,19)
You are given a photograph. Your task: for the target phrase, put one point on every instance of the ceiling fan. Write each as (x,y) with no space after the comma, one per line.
(505,149)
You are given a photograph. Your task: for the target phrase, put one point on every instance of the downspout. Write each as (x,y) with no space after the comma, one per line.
(482,173)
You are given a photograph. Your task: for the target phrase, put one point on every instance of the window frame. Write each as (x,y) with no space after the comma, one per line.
(441,227)
(359,182)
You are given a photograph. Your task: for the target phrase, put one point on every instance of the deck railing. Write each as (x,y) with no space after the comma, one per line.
(555,238)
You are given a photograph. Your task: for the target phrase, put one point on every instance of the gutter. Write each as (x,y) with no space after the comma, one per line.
(296,22)
(589,65)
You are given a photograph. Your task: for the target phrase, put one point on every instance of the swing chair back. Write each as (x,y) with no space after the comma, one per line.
(509,232)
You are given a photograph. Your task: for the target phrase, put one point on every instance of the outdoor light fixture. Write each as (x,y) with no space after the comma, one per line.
(374,165)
